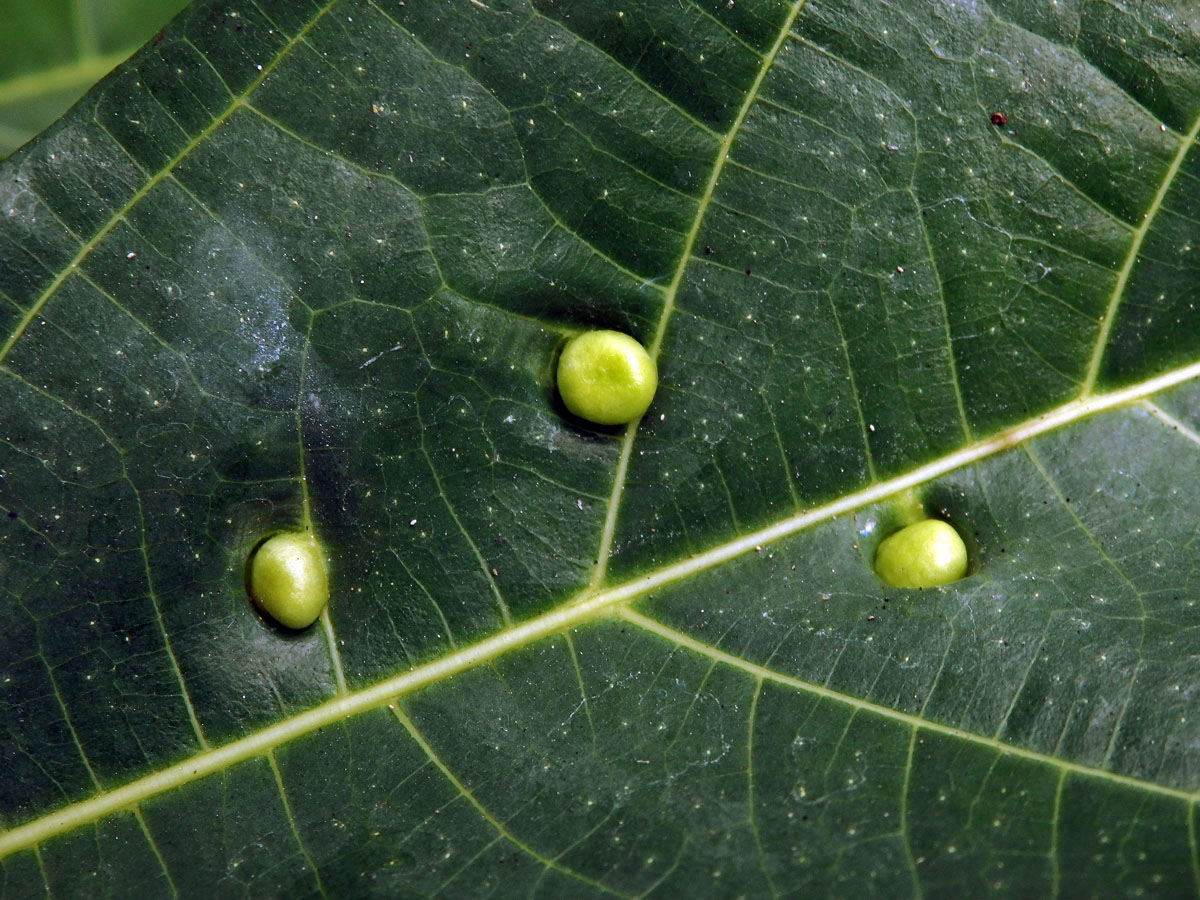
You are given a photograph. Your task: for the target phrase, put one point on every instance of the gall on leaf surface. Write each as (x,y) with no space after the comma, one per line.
(312,262)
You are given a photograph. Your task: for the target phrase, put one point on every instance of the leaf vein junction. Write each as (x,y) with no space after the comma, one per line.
(1135,246)
(495,823)
(153,181)
(682,640)
(592,606)
(685,255)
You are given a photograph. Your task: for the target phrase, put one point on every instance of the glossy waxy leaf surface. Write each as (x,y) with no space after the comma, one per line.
(309,266)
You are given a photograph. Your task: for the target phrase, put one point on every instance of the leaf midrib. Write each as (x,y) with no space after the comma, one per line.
(593,604)
(589,607)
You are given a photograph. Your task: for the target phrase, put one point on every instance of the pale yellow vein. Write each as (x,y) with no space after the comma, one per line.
(754,670)
(335,656)
(499,827)
(137,196)
(1171,422)
(1135,247)
(689,242)
(577,612)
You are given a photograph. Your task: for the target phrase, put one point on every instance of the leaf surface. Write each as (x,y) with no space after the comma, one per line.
(307,265)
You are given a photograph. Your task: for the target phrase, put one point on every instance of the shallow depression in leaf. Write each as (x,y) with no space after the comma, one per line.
(315,262)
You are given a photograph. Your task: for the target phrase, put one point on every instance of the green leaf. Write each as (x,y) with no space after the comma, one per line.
(310,266)
(52,51)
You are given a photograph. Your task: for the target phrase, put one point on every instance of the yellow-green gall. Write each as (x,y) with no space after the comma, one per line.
(606,377)
(289,580)
(924,554)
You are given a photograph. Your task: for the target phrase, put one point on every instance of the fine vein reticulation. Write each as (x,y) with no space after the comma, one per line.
(592,605)
(601,599)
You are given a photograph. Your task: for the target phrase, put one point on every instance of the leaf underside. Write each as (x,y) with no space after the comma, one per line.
(306,265)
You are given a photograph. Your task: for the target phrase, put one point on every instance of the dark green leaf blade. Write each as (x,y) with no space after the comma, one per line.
(310,265)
